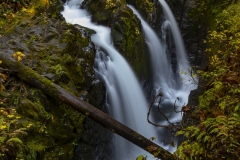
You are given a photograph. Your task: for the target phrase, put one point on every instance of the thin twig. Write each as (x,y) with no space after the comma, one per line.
(159,125)
(163,113)
(194,80)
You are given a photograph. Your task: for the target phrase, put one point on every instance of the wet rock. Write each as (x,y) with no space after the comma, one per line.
(96,143)
(126,31)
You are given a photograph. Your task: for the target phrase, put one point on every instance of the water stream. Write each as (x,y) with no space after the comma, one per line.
(126,100)
(183,63)
(173,85)
(127,103)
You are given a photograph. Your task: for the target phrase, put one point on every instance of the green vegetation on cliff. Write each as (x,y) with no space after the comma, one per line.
(214,131)
(33,125)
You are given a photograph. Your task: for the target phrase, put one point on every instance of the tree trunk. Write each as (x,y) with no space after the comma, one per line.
(31,77)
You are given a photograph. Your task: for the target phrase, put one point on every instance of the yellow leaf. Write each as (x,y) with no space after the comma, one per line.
(10,116)
(4,77)
(3,127)
(2,87)
(22,55)
(14,55)
(18,53)
(19,58)
(141,157)
(152,138)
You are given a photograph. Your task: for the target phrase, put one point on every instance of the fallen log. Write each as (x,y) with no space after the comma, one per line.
(31,77)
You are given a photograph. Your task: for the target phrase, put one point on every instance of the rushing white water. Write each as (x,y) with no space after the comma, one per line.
(161,68)
(126,100)
(183,64)
(164,79)
(186,84)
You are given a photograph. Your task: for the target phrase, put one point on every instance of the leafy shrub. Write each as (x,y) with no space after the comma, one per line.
(216,133)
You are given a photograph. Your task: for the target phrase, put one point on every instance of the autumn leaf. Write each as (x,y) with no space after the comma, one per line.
(152,138)
(18,55)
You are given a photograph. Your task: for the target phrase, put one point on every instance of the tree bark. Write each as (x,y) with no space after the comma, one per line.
(31,77)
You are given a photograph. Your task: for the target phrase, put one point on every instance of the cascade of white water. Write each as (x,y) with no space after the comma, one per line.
(163,76)
(183,64)
(165,80)
(126,99)
(161,68)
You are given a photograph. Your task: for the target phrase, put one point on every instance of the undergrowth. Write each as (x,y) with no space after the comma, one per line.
(216,133)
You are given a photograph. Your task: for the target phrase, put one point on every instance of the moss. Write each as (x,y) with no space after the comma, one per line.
(31,110)
(4,94)
(53,134)
(58,69)
(36,145)
(57,51)
(127,36)
(126,31)
(74,38)
(29,75)
(96,8)
(145,7)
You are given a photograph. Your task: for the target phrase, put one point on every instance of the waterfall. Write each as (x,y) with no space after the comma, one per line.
(165,80)
(183,64)
(126,100)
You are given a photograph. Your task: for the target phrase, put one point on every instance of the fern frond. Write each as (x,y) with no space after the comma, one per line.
(201,135)
(14,140)
(206,138)
(2,139)
(215,130)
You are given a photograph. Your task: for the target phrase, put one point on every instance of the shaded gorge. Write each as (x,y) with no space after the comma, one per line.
(125,100)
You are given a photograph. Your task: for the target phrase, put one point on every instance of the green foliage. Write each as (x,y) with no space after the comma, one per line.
(9,8)
(215,134)
(145,7)
(213,138)
(11,133)
(206,10)
(214,6)
(141,157)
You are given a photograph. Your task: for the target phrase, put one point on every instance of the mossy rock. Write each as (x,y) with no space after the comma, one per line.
(145,7)
(60,52)
(125,30)
(54,49)
(31,110)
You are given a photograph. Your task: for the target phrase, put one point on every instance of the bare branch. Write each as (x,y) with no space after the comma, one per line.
(171,125)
